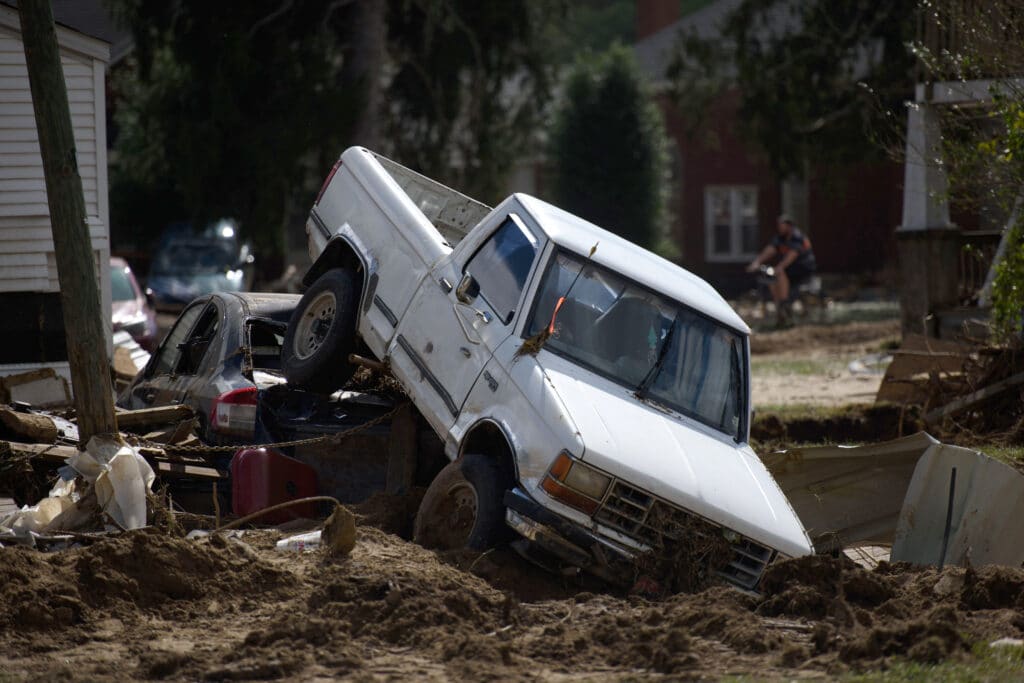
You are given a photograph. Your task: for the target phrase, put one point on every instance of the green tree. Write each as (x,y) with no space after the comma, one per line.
(239,109)
(592,25)
(983,146)
(221,106)
(609,152)
(815,78)
(470,86)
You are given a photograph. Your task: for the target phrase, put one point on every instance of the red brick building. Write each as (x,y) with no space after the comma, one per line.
(726,199)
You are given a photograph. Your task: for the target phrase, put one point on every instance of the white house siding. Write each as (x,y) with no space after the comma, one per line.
(27,259)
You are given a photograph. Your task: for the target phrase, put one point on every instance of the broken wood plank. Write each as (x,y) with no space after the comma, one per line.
(123,365)
(146,417)
(173,434)
(920,356)
(49,452)
(172,469)
(973,398)
(30,426)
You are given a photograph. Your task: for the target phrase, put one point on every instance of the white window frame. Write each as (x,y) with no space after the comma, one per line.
(734,254)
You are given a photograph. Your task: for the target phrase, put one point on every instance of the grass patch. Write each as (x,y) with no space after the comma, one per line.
(863,311)
(801,410)
(1011,455)
(794,366)
(890,344)
(987,664)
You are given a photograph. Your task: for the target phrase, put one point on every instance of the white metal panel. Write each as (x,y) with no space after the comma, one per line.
(37,172)
(12,246)
(26,96)
(85,158)
(27,259)
(22,111)
(19,148)
(10,119)
(961,508)
(38,227)
(8,260)
(15,185)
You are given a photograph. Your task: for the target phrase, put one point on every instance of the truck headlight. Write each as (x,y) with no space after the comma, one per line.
(577,485)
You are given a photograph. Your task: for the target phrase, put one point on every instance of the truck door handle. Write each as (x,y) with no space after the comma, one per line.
(465,351)
(445,285)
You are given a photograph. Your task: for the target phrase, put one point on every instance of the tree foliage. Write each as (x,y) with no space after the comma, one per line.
(815,78)
(222,102)
(592,25)
(609,150)
(238,109)
(470,84)
(983,146)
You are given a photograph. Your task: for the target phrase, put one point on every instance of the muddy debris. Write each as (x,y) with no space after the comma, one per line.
(159,607)
(851,424)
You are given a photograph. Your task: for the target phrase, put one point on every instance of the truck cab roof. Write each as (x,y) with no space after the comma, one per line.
(635,262)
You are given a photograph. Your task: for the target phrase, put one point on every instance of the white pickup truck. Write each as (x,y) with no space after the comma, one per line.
(592,396)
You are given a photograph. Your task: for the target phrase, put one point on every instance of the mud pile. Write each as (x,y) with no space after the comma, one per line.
(149,606)
(142,569)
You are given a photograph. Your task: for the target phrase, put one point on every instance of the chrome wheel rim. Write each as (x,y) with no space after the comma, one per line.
(314,325)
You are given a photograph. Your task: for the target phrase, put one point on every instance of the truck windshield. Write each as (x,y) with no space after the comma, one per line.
(666,352)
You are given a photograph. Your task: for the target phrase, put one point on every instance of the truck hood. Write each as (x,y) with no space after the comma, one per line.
(677,459)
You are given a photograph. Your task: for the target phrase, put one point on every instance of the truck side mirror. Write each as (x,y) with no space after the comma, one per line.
(468,289)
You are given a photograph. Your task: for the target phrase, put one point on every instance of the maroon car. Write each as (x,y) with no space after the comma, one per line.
(130,308)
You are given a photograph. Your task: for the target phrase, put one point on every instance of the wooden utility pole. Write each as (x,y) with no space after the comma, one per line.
(76,262)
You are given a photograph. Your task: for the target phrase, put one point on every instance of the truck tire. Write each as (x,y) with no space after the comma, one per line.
(322,333)
(463,506)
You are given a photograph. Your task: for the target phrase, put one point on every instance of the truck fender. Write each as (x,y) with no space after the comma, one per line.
(345,249)
(491,438)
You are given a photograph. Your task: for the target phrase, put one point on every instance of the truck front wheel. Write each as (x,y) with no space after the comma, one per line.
(322,333)
(463,506)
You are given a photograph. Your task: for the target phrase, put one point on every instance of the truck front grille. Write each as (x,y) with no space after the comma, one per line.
(651,521)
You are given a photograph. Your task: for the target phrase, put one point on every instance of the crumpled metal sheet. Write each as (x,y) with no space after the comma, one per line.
(979,498)
(849,495)
(904,493)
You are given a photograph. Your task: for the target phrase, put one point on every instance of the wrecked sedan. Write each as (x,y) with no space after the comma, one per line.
(220,348)
(591,395)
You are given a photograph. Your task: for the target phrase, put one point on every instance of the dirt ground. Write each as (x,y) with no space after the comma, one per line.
(810,364)
(153,605)
(147,605)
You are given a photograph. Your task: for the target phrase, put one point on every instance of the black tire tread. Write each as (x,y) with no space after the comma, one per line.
(485,474)
(328,368)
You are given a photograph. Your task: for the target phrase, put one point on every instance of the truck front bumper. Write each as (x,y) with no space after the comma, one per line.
(569,542)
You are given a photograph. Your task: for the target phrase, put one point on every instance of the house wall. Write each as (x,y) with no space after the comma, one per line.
(852,211)
(853,216)
(654,15)
(714,155)
(28,270)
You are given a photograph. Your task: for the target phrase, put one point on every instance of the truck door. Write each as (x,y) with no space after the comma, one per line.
(461,313)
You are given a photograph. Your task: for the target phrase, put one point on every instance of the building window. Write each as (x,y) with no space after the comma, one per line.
(731,230)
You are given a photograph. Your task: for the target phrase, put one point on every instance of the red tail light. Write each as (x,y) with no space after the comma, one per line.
(235,412)
(330,176)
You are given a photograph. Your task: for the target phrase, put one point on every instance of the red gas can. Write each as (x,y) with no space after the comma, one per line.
(261,477)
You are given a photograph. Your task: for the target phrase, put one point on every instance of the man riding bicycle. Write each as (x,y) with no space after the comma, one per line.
(795,265)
